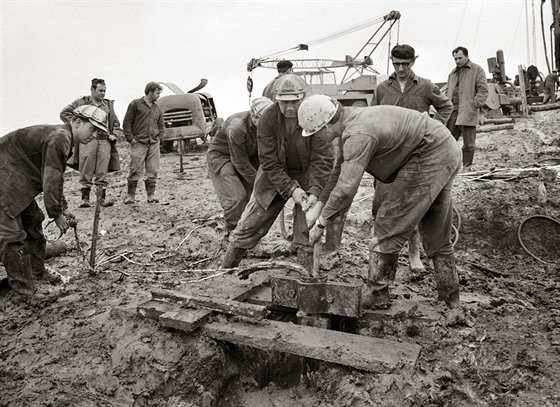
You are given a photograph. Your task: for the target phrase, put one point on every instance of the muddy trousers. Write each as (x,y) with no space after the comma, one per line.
(144,155)
(94,163)
(469,138)
(255,223)
(549,94)
(22,247)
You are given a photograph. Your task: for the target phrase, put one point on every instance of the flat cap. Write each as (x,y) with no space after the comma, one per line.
(403,51)
(284,65)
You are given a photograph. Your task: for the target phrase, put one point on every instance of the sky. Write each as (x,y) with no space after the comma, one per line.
(50,50)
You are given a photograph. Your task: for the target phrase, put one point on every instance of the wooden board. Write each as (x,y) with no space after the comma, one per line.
(360,352)
(408,309)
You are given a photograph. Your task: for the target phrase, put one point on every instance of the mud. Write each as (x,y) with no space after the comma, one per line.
(85,345)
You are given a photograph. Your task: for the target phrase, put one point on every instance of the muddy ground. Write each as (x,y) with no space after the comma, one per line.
(88,346)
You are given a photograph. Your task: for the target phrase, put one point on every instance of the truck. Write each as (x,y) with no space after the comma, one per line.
(187,116)
(359,82)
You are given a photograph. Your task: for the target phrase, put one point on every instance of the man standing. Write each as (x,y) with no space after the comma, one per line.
(283,68)
(404,88)
(95,160)
(467,88)
(33,160)
(291,167)
(233,160)
(550,83)
(143,129)
(414,153)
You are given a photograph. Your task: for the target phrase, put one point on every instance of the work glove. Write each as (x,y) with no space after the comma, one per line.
(313,214)
(309,203)
(299,196)
(315,234)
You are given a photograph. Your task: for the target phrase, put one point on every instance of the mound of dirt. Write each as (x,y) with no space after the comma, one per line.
(87,346)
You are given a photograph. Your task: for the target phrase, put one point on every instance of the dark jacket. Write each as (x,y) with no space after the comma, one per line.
(113,124)
(142,122)
(315,159)
(33,160)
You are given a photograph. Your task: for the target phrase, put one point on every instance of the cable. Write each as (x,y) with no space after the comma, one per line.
(521,241)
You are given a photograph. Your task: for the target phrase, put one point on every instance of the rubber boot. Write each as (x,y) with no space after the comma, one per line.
(447,280)
(18,269)
(382,272)
(131,193)
(468,157)
(414,262)
(232,257)
(150,191)
(36,250)
(85,198)
(103,199)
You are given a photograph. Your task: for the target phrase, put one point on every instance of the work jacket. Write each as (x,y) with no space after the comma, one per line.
(143,123)
(419,94)
(33,160)
(314,158)
(112,123)
(378,140)
(236,141)
(473,91)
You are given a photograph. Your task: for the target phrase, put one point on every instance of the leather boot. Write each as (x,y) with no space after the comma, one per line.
(447,280)
(85,198)
(232,257)
(382,272)
(150,191)
(18,269)
(103,201)
(36,250)
(131,193)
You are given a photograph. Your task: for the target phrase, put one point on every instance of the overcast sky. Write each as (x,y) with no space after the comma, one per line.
(52,49)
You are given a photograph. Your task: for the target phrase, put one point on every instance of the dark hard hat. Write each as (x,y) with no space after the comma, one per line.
(284,65)
(403,51)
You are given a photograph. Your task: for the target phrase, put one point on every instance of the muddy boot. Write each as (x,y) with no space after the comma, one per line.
(382,272)
(447,280)
(414,262)
(131,194)
(36,250)
(18,269)
(232,257)
(151,191)
(85,198)
(468,157)
(103,201)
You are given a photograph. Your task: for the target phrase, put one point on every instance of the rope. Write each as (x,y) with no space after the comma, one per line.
(521,241)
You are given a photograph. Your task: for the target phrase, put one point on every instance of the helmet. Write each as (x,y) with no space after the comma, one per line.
(315,113)
(259,105)
(95,115)
(290,87)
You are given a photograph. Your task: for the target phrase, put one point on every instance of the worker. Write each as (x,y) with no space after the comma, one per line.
(283,68)
(95,160)
(551,81)
(404,88)
(143,129)
(291,167)
(414,153)
(33,160)
(233,160)
(467,88)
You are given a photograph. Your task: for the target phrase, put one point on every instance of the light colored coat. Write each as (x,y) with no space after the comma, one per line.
(473,91)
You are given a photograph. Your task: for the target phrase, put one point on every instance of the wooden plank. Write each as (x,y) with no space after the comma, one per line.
(185,319)
(408,309)
(219,304)
(360,352)
(153,309)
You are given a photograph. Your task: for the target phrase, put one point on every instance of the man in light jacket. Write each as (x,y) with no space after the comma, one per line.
(468,89)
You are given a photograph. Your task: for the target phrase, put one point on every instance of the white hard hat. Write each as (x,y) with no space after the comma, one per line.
(95,115)
(259,105)
(315,113)
(290,87)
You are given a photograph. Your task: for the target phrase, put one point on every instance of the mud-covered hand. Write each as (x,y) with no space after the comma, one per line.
(309,203)
(62,223)
(299,196)
(313,214)
(315,234)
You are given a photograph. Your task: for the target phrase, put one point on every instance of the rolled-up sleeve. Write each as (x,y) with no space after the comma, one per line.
(357,150)
(442,104)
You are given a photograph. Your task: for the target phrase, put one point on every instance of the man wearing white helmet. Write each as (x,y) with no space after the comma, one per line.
(415,153)
(33,160)
(233,160)
(291,167)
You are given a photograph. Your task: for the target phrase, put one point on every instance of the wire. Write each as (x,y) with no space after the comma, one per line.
(521,241)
